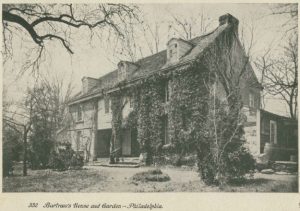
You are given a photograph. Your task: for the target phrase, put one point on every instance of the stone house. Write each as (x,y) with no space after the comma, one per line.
(173,105)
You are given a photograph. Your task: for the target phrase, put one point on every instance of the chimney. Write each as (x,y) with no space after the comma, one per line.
(230,20)
(88,83)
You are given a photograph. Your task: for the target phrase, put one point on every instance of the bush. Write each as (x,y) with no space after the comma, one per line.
(154,175)
(176,160)
(233,165)
(7,167)
(222,156)
(66,159)
(12,149)
(239,163)
(41,145)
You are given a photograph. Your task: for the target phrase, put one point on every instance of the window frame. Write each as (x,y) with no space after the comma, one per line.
(78,138)
(167,91)
(106,105)
(173,52)
(79,111)
(165,121)
(275,141)
(251,100)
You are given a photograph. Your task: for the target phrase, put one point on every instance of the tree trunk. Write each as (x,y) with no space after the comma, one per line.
(25,153)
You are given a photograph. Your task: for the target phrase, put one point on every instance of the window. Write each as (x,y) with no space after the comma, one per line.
(167,91)
(173,51)
(165,129)
(78,136)
(273,132)
(79,113)
(106,105)
(264,126)
(251,100)
(122,72)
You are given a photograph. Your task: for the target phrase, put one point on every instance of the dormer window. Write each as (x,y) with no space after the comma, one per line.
(173,52)
(177,48)
(122,71)
(125,69)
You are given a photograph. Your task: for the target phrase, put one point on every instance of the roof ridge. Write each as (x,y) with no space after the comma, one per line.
(106,74)
(157,61)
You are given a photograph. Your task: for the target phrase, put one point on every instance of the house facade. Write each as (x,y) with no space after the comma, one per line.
(155,101)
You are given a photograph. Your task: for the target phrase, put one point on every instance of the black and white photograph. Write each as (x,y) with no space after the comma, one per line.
(115,97)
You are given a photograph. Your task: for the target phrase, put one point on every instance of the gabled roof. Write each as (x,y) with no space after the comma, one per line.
(153,63)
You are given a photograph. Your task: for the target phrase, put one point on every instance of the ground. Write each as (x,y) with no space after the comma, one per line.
(107,179)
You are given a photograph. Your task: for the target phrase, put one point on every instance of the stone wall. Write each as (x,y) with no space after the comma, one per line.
(86,126)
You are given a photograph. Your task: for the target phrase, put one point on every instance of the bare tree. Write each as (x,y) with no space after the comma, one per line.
(152,34)
(291,10)
(22,124)
(55,22)
(280,75)
(191,26)
(45,103)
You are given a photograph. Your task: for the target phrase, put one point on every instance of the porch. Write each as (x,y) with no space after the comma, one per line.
(129,144)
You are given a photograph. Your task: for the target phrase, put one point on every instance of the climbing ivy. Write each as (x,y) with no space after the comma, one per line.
(187,110)
(116,107)
(197,121)
(149,117)
(188,107)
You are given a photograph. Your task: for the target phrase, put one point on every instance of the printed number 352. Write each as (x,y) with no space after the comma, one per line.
(33,205)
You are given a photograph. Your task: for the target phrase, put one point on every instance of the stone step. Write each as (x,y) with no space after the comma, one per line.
(125,162)
(285,166)
(123,159)
(118,165)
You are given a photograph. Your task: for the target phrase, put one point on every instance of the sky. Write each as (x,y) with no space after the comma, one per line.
(95,58)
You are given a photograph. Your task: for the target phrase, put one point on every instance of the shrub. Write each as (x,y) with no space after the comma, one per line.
(76,161)
(66,159)
(154,175)
(231,165)
(175,159)
(221,153)
(239,163)
(7,165)
(56,162)
(11,149)
(41,145)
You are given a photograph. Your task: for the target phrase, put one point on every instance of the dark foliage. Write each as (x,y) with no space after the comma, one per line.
(155,175)
(66,159)
(12,150)
(41,147)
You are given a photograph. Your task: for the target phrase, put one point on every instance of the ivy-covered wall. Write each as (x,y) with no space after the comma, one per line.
(186,110)
(149,107)
(188,107)
(222,64)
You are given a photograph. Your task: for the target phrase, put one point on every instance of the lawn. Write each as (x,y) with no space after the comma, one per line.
(105,179)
